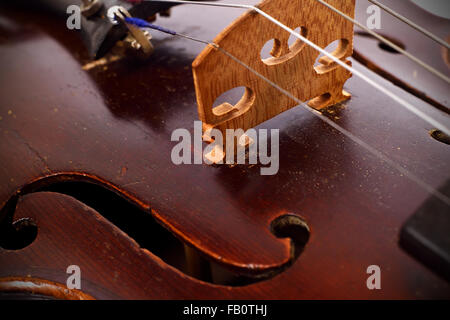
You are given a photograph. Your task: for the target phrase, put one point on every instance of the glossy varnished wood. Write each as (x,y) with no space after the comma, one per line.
(396,67)
(291,67)
(112,126)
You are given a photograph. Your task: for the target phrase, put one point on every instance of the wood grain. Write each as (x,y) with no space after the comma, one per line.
(291,67)
(112,126)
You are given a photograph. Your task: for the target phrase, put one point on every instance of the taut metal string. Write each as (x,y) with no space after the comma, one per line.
(388,42)
(371,32)
(379,87)
(411,24)
(343,131)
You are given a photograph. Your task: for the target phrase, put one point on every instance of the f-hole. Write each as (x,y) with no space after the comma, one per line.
(145,230)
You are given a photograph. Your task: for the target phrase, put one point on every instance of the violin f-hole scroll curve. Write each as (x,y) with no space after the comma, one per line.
(215,73)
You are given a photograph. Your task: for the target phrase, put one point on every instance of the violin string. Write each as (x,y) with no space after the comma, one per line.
(388,42)
(348,134)
(345,132)
(397,15)
(357,23)
(371,82)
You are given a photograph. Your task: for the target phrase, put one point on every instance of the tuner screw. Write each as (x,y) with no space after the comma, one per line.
(115,14)
(90,7)
(140,38)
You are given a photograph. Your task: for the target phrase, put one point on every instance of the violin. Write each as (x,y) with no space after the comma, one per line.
(354,201)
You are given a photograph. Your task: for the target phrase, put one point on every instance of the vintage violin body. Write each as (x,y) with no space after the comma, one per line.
(86,176)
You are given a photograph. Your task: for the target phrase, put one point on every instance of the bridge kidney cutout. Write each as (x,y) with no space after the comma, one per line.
(238,99)
(276,51)
(338,49)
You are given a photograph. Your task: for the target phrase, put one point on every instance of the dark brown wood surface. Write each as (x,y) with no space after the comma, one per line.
(394,66)
(111,126)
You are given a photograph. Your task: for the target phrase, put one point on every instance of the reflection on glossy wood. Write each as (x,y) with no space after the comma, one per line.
(112,126)
(292,68)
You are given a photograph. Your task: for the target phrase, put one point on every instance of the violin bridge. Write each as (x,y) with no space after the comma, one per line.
(291,67)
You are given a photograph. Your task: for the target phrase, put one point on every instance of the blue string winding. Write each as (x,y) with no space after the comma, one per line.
(144,24)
